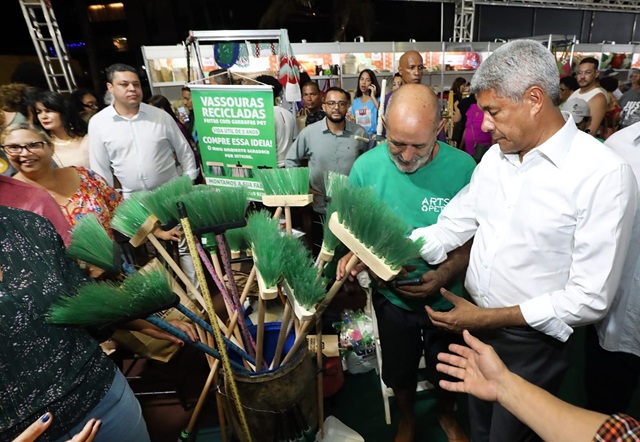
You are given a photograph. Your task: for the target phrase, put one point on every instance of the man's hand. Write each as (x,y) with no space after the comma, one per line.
(463,316)
(478,367)
(342,268)
(87,434)
(432,281)
(168,235)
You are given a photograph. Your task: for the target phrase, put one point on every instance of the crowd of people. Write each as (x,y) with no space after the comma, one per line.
(528,221)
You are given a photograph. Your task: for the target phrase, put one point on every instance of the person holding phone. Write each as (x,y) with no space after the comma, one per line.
(364,109)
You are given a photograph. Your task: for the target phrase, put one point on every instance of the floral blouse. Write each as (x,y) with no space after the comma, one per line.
(93,196)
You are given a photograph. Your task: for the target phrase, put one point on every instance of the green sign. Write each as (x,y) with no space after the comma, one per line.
(236,133)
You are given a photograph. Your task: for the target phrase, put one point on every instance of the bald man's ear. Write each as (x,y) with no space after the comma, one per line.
(384,121)
(441,125)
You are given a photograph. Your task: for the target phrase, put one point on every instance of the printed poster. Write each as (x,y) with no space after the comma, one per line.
(236,133)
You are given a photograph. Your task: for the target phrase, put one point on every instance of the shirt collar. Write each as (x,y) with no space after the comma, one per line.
(114,114)
(556,148)
(326,130)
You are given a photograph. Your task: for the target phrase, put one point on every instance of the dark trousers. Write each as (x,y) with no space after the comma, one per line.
(536,357)
(611,377)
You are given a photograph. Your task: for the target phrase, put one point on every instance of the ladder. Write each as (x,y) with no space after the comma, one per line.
(51,50)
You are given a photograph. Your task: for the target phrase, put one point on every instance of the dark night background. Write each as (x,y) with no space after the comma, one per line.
(167,22)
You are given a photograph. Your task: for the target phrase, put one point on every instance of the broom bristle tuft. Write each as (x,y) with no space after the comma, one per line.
(375,224)
(101,303)
(161,201)
(91,243)
(267,246)
(290,181)
(301,274)
(130,215)
(207,206)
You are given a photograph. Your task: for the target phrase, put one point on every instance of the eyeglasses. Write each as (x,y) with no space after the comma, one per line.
(16,149)
(336,103)
(587,72)
(91,104)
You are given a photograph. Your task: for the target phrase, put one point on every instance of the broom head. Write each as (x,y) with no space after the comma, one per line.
(91,243)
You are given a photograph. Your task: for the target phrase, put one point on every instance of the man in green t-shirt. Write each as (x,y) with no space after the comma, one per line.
(416,176)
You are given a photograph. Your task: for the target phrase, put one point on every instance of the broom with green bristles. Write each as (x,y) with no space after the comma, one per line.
(383,246)
(134,220)
(91,243)
(218,210)
(139,296)
(268,255)
(238,216)
(285,188)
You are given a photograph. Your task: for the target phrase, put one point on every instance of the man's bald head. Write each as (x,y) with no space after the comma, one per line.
(411,67)
(413,122)
(411,102)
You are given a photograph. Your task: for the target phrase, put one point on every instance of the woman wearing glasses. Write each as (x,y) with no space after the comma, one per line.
(76,189)
(68,132)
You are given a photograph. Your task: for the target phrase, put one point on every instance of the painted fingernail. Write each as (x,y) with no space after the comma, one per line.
(45,418)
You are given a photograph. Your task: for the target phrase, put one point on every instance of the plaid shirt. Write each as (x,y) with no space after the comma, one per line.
(618,428)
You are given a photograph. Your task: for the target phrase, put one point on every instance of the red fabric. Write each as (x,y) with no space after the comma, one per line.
(19,195)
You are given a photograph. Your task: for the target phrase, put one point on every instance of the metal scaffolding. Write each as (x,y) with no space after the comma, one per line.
(465,10)
(464,20)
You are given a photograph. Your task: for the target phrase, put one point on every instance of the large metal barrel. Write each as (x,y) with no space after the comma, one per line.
(279,405)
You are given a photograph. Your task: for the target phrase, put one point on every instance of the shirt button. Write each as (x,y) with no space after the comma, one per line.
(486,267)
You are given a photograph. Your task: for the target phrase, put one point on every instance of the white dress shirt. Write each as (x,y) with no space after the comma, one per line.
(620,328)
(286,132)
(551,233)
(138,151)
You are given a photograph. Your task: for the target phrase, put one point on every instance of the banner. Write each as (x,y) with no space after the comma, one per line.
(236,133)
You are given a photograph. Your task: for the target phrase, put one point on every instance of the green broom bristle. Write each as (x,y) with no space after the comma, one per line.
(293,181)
(301,274)
(333,181)
(208,207)
(101,303)
(375,224)
(235,238)
(130,215)
(267,246)
(91,243)
(161,201)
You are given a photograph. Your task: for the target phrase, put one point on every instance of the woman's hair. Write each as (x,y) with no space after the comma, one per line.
(161,102)
(76,99)
(25,126)
(374,81)
(609,84)
(457,84)
(73,124)
(13,97)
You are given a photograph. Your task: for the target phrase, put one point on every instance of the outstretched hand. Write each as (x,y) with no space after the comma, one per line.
(174,234)
(479,368)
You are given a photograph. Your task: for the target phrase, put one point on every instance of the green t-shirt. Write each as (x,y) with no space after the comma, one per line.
(418,198)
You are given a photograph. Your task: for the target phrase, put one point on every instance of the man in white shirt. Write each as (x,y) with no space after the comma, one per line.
(591,92)
(138,144)
(612,349)
(552,213)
